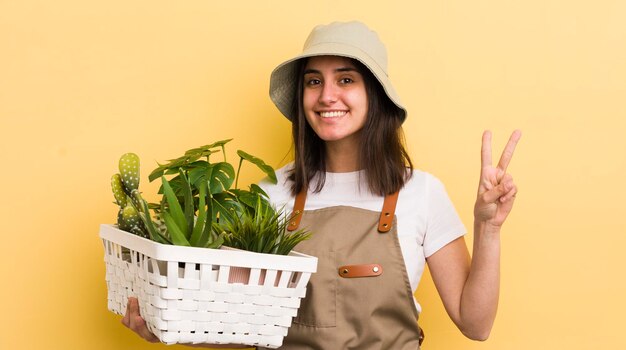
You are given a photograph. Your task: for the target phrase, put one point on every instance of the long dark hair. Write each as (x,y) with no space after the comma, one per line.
(382,154)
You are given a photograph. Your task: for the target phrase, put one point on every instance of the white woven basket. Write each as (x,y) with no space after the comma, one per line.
(199,295)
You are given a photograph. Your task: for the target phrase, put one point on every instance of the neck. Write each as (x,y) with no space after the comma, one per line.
(342,156)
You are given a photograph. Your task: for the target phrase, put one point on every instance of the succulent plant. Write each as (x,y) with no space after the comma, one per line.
(124,185)
(118,190)
(130,217)
(129,170)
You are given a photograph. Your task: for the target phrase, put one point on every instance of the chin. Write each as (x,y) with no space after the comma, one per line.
(330,138)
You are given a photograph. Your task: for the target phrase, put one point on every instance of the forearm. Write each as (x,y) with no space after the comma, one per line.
(479,301)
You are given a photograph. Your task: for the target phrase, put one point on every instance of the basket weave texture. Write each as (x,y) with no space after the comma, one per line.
(198,295)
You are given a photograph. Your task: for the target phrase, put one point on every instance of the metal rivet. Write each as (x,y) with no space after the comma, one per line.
(345,271)
(387,214)
(293,223)
(385,225)
(375,269)
(297,212)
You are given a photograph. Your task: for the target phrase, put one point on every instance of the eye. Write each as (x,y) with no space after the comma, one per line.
(312,82)
(346,81)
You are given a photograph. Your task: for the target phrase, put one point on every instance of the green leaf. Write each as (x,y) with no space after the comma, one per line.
(220,143)
(178,237)
(221,177)
(254,188)
(162,168)
(172,166)
(175,211)
(188,203)
(268,170)
(187,160)
(176,183)
(198,173)
(253,200)
(226,206)
(216,243)
(198,229)
(144,214)
(207,150)
(205,236)
(155,235)
(246,197)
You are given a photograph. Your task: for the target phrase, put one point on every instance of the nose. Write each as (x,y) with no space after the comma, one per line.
(328,94)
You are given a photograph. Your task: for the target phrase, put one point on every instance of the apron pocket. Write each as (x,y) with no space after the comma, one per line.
(318,308)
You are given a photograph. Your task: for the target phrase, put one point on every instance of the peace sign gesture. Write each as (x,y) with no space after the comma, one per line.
(496,190)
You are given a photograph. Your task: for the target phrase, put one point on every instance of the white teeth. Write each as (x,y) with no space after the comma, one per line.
(333,114)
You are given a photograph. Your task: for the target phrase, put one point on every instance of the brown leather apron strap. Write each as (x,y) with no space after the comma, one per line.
(384,224)
(389,210)
(298,208)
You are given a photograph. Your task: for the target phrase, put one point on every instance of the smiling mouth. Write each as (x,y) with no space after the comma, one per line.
(332,114)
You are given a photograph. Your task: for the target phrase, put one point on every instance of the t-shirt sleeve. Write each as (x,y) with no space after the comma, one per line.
(443,223)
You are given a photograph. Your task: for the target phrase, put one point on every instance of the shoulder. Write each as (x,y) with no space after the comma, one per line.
(421,182)
(423,190)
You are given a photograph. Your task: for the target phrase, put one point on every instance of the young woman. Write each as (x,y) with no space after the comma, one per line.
(376,221)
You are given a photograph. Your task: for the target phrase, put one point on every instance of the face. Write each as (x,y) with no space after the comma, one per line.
(334,98)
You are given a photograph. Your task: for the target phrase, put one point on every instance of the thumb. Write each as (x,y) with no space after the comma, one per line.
(495,193)
(133,306)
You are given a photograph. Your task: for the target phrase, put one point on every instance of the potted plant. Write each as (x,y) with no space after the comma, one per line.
(189,294)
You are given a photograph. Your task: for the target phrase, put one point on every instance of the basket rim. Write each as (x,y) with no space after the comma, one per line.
(295,261)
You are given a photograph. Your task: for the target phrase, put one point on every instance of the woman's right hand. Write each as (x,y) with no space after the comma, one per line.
(136,323)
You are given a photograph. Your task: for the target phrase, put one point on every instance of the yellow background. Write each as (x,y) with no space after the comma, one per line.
(82,82)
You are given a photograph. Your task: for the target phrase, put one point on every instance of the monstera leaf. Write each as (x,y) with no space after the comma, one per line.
(268,170)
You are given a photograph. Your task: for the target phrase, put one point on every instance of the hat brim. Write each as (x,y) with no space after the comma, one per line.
(283,78)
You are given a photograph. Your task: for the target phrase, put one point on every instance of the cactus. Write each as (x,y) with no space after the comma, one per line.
(125,190)
(129,170)
(118,190)
(121,224)
(130,216)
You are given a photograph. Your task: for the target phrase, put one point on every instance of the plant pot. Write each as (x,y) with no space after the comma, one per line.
(220,296)
(242,274)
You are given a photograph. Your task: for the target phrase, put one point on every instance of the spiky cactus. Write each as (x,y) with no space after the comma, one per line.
(125,190)
(129,170)
(118,190)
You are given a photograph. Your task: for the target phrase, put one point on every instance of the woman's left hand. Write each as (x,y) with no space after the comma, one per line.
(470,287)
(496,190)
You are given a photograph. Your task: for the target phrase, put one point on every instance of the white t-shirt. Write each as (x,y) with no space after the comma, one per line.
(426,218)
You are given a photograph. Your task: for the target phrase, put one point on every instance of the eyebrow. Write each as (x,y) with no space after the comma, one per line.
(338,70)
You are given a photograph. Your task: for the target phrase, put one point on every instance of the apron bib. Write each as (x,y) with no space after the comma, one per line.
(360,297)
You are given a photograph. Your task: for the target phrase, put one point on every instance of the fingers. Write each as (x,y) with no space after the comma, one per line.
(507,154)
(485,151)
(511,192)
(504,191)
(126,318)
(133,320)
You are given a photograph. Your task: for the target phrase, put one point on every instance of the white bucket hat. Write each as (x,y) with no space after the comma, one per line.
(347,39)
